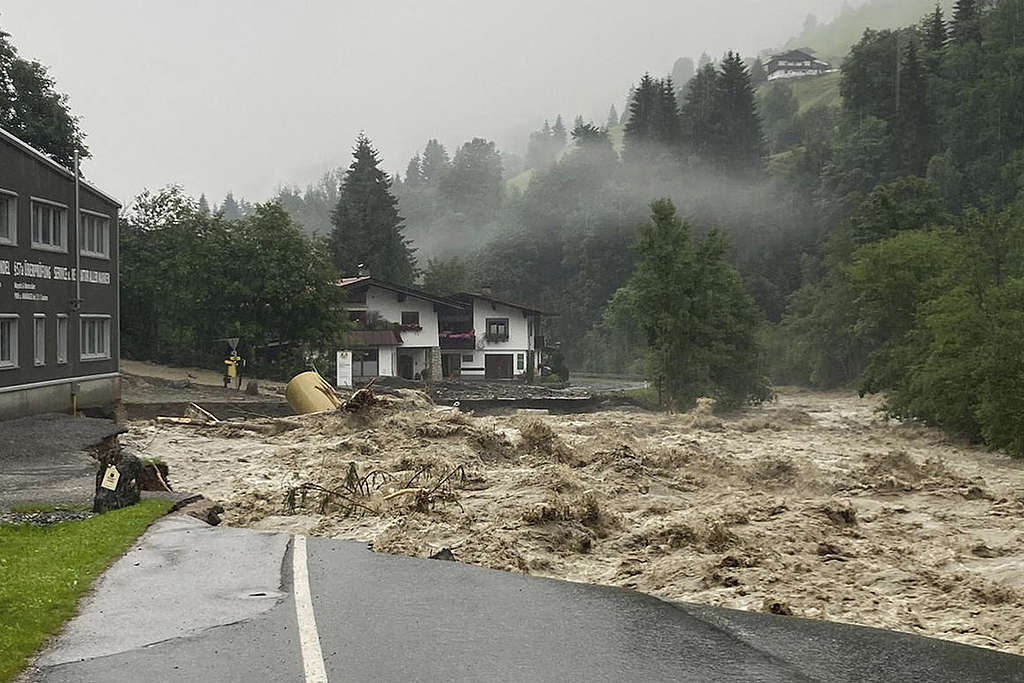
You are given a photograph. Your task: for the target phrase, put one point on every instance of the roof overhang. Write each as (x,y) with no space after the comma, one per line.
(39,156)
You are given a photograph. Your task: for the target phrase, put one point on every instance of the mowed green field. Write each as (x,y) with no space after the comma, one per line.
(812,90)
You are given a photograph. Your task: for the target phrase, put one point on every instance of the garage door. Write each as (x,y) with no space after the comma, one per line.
(498,366)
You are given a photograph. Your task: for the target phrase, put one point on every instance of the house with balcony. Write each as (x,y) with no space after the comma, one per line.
(404,332)
(490,338)
(396,331)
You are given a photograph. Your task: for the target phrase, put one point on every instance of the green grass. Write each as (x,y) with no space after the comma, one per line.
(813,90)
(45,570)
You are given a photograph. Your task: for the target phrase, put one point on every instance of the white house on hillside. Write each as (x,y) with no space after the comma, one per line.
(795,64)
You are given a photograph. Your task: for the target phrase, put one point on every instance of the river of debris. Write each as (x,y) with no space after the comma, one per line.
(813,505)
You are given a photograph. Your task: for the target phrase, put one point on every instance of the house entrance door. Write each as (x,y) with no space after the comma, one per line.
(498,366)
(405,366)
(451,365)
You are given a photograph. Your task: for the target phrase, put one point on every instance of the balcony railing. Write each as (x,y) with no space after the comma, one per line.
(458,341)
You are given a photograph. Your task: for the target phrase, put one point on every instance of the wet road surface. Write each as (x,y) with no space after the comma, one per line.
(229,614)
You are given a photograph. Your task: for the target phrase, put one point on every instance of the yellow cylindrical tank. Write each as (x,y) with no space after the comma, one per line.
(309,393)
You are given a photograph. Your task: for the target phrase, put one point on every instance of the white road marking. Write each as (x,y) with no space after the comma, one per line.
(309,638)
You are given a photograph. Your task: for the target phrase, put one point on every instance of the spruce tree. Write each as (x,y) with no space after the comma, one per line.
(613,118)
(435,163)
(559,133)
(738,144)
(699,124)
(367,227)
(229,208)
(414,172)
(966,25)
(934,32)
(653,126)
(578,121)
(914,123)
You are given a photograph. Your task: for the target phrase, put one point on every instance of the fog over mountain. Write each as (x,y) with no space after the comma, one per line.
(242,96)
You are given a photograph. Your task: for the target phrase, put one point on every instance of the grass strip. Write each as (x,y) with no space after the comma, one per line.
(45,570)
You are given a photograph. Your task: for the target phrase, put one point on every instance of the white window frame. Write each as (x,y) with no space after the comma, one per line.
(12,218)
(83,337)
(62,338)
(39,340)
(105,253)
(12,362)
(45,246)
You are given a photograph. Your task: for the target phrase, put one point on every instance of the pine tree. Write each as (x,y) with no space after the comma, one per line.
(653,126)
(367,227)
(914,123)
(414,172)
(966,25)
(229,208)
(739,143)
(704,61)
(204,205)
(668,129)
(699,125)
(559,133)
(578,121)
(613,118)
(934,32)
(435,163)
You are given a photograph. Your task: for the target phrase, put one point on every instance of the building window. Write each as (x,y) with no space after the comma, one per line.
(467,358)
(95,337)
(520,361)
(49,226)
(411,319)
(8,341)
(366,363)
(39,338)
(497,329)
(8,217)
(95,235)
(62,339)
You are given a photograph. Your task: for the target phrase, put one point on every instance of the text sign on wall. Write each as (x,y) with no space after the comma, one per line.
(42,271)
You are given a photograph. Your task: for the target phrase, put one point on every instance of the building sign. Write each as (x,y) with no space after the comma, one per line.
(31,270)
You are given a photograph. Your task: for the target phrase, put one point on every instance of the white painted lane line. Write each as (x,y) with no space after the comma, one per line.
(309,638)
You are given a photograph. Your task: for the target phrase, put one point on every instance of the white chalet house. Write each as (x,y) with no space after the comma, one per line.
(397,331)
(408,333)
(795,64)
(490,338)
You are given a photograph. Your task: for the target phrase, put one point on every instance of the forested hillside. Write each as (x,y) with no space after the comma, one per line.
(880,245)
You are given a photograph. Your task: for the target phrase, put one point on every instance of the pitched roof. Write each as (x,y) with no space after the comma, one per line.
(464,296)
(368,338)
(348,282)
(794,55)
(39,156)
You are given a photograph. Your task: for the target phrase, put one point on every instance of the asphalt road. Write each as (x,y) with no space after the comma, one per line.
(197,603)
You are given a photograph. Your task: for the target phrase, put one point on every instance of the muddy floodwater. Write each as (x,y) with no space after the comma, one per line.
(814,505)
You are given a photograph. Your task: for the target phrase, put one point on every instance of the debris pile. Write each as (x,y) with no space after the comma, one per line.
(813,506)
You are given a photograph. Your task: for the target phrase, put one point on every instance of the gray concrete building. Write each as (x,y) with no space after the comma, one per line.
(59,342)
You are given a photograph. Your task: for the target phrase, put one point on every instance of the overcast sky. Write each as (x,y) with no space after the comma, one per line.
(247,95)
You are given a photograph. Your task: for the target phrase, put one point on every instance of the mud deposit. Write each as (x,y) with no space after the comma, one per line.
(813,505)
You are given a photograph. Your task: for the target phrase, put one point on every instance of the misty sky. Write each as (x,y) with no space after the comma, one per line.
(247,95)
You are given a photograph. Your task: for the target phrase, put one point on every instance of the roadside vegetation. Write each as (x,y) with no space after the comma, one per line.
(45,570)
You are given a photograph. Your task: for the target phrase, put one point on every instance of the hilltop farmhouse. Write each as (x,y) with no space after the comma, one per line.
(795,64)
